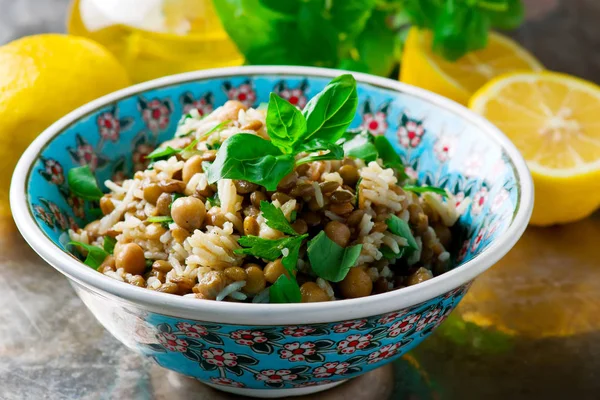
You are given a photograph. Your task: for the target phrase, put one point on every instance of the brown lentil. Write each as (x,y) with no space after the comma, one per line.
(168,287)
(312,293)
(191,167)
(154,231)
(251,226)
(444,234)
(255,279)
(137,280)
(341,209)
(355,217)
(356,284)
(179,234)
(380,226)
(235,274)
(245,187)
(303,190)
(163,203)
(184,284)
(338,232)
(420,275)
(209,155)
(281,197)
(210,284)
(311,218)
(273,270)
(106,204)
(172,186)
(253,125)
(251,211)
(151,192)
(161,266)
(302,169)
(328,187)
(108,264)
(131,258)
(341,196)
(93,228)
(256,197)
(288,181)
(215,218)
(300,226)
(349,174)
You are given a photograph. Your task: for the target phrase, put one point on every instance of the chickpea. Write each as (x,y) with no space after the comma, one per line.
(188,212)
(274,270)
(163,203)
(256,197)
(251,226)
(245,187)
(191,167)
(356,284)
(151,192)
(312,293)
(235,274)
(210,284)
(288,181)
(300,226)
(106,204)
(255,279)
(349,174)
(420,275)
(131,258)
(338,232)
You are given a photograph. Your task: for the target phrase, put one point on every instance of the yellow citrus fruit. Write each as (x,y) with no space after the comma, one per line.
(554,121)
(158,38)
(42,78)
(458,80)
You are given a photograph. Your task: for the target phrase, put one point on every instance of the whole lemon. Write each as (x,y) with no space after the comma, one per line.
(42,78)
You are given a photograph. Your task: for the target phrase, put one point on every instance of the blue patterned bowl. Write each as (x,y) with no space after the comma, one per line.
(274,350)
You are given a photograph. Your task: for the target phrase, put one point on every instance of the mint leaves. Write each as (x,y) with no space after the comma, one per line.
(329,260)
(82,183)
(265,162)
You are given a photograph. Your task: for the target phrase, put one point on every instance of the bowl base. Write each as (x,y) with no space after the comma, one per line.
(275,393)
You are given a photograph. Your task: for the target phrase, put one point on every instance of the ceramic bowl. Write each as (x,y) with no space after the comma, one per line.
(274,350)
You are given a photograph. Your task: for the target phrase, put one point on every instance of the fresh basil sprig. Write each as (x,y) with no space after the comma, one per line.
(285,290)
(95,256)
(369,147)
(329,260)
(109,244)
(82,183)
(265,162)
(400,227)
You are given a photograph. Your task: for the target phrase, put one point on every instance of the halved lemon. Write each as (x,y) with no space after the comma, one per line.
(460,79)
(554,120)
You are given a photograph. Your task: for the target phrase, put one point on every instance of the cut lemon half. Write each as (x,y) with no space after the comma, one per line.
(554,120)
(458,80)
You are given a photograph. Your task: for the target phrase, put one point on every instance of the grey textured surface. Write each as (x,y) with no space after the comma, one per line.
(52,348)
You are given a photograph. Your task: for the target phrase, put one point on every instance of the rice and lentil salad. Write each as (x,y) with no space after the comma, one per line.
(277,206)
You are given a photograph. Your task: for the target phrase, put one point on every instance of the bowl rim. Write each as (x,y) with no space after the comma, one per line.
(268,314)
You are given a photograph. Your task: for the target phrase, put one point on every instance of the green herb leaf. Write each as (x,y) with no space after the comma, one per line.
(285,290)
(82,183)
(109,244)
(285,123)
(293,246)
(509,18)
(425,189)
(251,158)
(399,227)
(215,128)
(293,216)
(330,261)
(335,152)
(163,219)
(95,213)
(361,146)
(388,155)
(95,256)
(162,153)
(460,29)
(269,249)
(215,201)
(330,112)
(276,219)
(389,254)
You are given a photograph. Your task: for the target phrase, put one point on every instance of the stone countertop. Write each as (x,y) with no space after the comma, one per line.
(528,328)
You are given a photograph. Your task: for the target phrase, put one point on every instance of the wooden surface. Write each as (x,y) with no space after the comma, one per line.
(528,328)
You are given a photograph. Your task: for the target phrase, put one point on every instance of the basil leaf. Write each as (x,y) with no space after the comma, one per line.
(330,261)
(269,249)
(424,189)
(330,112)
(360,146)
(163,219)
(285,7)
(390,255)
(82,183)
(388,155)
(335,152)
(399,227)
(509,18)
(109,244)
(459,30)
(95,256)
(276,219)
(251,158)
(285,123)
(285,290)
